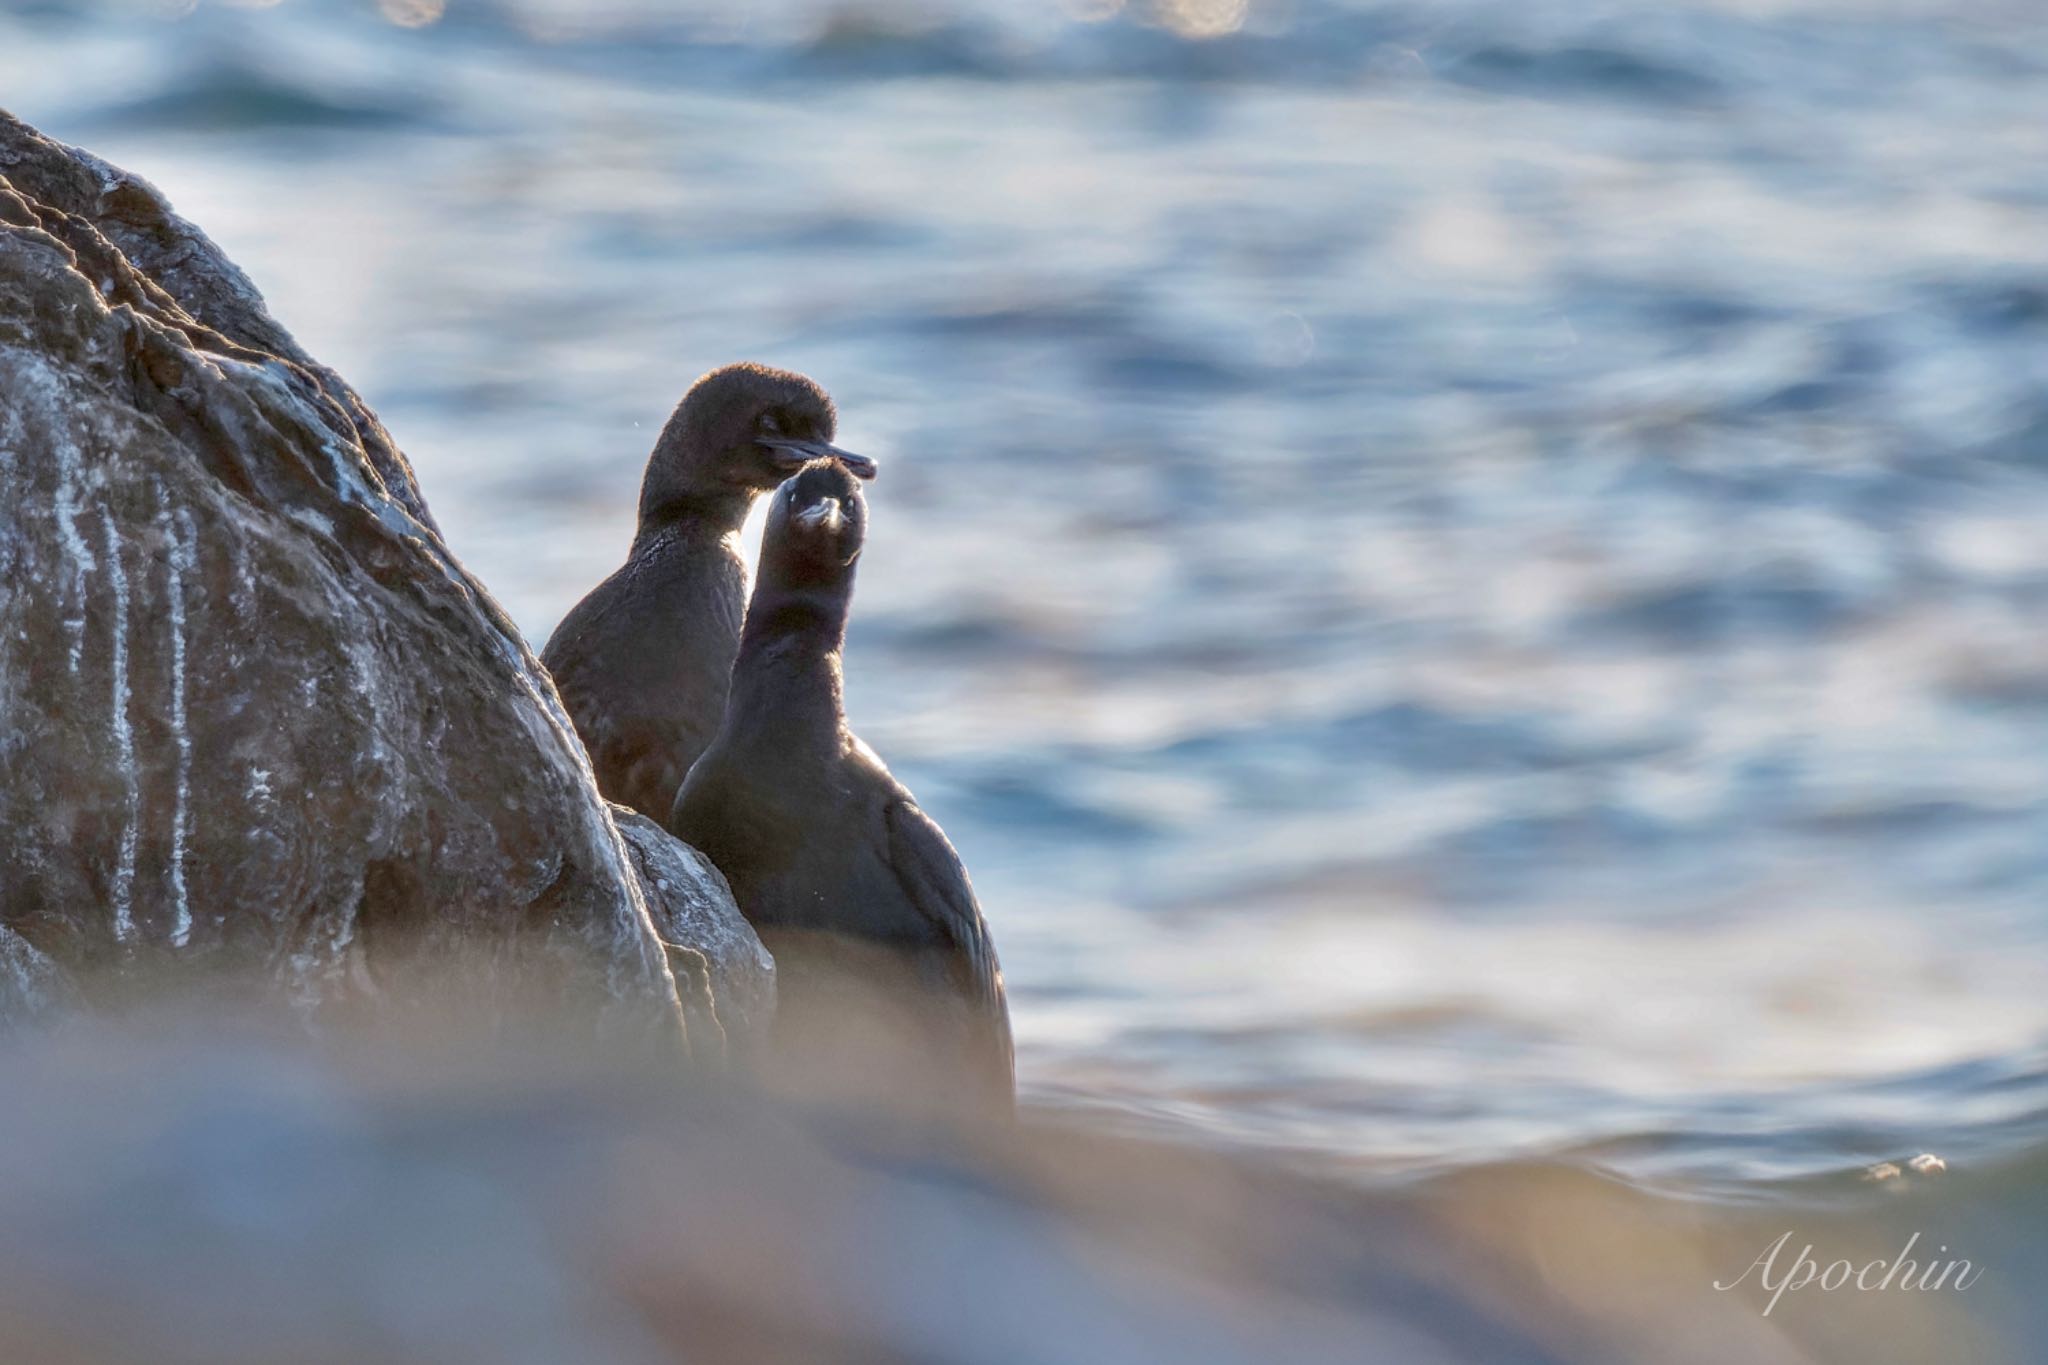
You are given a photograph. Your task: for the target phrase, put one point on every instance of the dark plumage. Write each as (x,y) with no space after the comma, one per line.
(643,661)
(876,933)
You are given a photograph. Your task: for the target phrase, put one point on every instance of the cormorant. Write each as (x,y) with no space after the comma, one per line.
(643,661)
(885,975)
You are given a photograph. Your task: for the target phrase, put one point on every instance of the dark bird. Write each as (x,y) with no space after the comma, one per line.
(642,663)
(884,969)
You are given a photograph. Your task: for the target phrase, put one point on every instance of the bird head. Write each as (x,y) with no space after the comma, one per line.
(742,430)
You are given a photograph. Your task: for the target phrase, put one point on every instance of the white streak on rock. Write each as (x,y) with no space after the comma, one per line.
(362,675)
(12,550)
(124,738)
(76,552)
(319,962)
(30,984)
(179,561)
(311,520)
(242,586)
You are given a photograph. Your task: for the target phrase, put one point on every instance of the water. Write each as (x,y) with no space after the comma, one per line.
(1469,578)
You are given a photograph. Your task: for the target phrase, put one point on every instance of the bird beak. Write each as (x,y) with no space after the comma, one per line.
(798,453)
(827,515)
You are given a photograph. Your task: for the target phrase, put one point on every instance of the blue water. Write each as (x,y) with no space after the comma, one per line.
(1471,579)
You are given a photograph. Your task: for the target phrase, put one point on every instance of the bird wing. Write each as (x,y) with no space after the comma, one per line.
(638,754)
(642,762)
(634,757)
(934,880)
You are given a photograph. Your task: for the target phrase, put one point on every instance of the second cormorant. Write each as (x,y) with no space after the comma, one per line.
(886,980)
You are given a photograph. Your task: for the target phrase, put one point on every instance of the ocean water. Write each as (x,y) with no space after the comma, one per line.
(1470,579)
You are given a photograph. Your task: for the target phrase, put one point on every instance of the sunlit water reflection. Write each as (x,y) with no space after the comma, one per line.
(1468,578)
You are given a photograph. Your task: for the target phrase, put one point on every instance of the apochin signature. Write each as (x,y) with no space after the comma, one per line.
(1871,1277)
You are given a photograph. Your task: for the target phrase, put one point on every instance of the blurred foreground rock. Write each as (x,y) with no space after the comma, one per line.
(208,1198)
(257,726)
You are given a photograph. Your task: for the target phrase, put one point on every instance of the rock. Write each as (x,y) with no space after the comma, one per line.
(31,987)
(709,946)
(178,268)
(182,1194)
(257,725)
(184,1201)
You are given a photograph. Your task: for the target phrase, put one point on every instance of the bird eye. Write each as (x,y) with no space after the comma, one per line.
(767,425)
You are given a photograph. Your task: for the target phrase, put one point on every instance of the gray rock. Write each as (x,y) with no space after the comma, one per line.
(257,726)
(176,264)
(184,1200)
(206,1192)
(31,987)
(722,969)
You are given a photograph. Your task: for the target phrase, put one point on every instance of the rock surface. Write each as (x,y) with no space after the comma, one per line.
(256,723)
(173,1198)
(711,947)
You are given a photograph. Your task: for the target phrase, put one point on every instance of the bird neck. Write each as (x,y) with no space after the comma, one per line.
(720,508)
(786,681)
(683,484)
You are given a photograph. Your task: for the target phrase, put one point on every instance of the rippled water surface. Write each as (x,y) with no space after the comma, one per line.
(1471,579)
